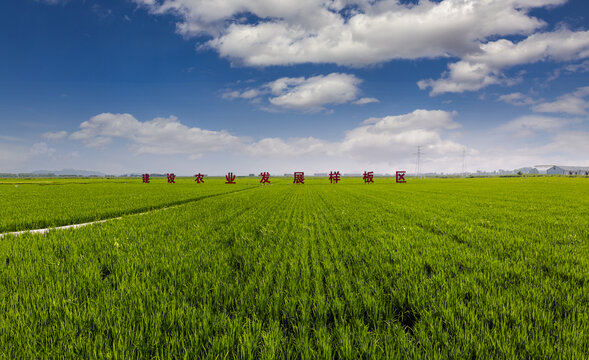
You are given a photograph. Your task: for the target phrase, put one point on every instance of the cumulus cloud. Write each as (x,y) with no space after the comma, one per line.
(485,66)
(462,76)
(55,136)
(363,32)
(157,136)
(375,139)
(381,143)
(531,124)
(572,103)
(387,139)
(384,137)
(314,92)
(354,32)
(305,94)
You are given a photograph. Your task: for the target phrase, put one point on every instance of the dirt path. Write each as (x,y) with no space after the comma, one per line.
(74,226)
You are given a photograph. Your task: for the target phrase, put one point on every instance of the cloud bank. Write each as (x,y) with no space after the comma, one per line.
(375,138)
(378,143)
(352,33)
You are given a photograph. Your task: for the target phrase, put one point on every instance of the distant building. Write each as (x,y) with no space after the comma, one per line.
(527,170)
(567,170)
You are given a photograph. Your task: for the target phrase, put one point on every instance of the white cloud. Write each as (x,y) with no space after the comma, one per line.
(314,92)
(366,100)
(485,66)
(462,76)
(377,143)
(531,124)
(305,94)
(365,32)
(393,136)
(382,144)
(55,136)
(560,45)
(381,139)
(157,136)
(245,94)
(517,99)
(570,69)
(377,139)
(280,148)
(347,32)
(572,103)
(573,143)
(41,149)
(581,67)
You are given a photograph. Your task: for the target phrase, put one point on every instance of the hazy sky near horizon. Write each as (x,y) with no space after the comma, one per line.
(212,86)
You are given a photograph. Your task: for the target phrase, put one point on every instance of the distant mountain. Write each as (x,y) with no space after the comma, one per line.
(66,172)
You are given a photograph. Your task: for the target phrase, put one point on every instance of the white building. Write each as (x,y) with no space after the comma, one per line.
(567,170)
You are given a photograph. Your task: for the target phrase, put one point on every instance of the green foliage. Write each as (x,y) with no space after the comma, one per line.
(432,269)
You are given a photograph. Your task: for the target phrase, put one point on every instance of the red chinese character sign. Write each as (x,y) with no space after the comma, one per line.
(299,177)
(368,177)
(199,178)
(146,178)
(230,177)
(265,178)
(171,178)
(334,176)
(401,177)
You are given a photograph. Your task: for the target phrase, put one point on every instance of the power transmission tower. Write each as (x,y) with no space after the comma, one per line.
(418,167)
(463,162)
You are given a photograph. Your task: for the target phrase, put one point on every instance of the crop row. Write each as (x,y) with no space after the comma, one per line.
(34,205)
(433,270)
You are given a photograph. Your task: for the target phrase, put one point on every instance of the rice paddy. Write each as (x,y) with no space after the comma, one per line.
(432,269)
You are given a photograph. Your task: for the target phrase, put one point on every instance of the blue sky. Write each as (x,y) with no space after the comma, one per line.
(207,86)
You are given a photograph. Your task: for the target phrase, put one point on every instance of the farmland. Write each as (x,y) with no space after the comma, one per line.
(42,203)
(432,269)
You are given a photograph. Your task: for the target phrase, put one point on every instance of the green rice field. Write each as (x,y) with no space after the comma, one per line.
(482,268)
